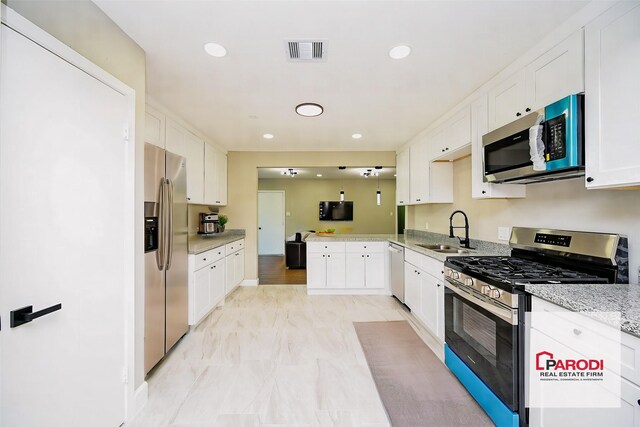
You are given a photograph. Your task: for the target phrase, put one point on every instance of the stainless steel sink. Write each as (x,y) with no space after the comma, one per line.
(436,247)
(445,249)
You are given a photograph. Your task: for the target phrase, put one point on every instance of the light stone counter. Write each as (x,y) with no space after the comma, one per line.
(199,243)
(413,239)
(595,300)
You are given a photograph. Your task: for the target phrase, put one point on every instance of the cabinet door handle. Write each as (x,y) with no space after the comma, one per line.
(527,110)
(438,284)
(518,114)
(590,179)
(362,256)
(484,192)
(367,256)
(577,331)
(26,314)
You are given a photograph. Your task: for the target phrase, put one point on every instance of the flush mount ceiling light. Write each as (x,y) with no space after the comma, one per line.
(356,136)
(215,49)
(309,109)
(290,172)
(319,175)
(400,52)
(267,136)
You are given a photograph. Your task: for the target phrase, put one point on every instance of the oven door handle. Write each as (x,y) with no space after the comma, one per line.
(503,313)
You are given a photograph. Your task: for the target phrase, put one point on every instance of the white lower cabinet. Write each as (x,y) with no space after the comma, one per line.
(234,266)
(206,283)
(357,266)
(424,295)
(579,337)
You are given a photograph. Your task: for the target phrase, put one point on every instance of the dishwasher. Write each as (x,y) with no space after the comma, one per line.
(397,271)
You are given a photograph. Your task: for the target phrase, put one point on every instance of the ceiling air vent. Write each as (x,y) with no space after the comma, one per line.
(306,50)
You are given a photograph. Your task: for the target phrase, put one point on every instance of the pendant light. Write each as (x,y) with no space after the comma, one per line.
(341,183)
(378,193)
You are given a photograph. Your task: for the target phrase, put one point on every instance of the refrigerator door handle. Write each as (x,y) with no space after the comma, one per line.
(170,223)
(161,221)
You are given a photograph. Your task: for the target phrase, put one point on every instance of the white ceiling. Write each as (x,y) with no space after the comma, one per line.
(327,173)
(456,47)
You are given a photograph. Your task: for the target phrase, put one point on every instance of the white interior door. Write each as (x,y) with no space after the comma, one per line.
(271,223)
(63,222)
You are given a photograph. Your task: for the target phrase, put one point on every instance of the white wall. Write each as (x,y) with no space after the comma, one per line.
(561,205)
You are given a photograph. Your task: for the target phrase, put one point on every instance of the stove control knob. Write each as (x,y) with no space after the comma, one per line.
(468,281)
(485,289)
(495,293)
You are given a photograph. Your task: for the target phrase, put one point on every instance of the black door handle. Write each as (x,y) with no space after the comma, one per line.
(25,314)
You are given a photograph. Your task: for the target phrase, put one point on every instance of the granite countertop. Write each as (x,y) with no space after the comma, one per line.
(411,241)
(595,301)
(199,243)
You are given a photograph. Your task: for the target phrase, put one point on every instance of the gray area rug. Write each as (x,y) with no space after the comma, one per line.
(416,388)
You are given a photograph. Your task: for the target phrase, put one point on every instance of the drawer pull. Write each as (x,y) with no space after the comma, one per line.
(204,259)
(577,331)
(638,401)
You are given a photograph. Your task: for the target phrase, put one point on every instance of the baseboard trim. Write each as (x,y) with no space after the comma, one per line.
(141,397)
(348,292)
(250,282)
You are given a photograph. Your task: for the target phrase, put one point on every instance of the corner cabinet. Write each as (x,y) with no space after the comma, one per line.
(479,188)
(612,112)
(557,73)
(347,268)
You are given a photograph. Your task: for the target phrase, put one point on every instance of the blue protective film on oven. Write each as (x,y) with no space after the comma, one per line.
(570,108)
(492,405)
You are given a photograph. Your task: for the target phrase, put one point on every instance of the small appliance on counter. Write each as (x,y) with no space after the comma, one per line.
(208,223)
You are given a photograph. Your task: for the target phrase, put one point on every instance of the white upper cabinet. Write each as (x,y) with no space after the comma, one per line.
(612,91)
(429,182)
(419,172)
(506,101)
(182,142)
(215,176)
(402,178)
(154,125)
(206,165)
(454,138)
(479,188)
(557,73)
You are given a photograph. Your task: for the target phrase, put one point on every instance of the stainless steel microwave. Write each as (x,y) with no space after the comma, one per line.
(506,154)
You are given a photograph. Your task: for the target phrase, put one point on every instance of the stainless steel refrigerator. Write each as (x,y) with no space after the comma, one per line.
(166,273)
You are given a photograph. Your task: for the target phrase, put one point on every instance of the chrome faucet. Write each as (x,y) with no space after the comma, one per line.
(464,241)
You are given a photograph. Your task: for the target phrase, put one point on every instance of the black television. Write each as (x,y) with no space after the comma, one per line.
(336,211)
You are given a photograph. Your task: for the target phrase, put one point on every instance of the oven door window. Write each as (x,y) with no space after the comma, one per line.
(485,343)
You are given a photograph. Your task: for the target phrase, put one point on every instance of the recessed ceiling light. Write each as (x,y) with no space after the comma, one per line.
(319,175)
(267,136)
(309,109)
(356,136)
(399,52)
(215,49)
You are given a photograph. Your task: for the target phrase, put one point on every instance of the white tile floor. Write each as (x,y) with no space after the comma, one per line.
(272,356)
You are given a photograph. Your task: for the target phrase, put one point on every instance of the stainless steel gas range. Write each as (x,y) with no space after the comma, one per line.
(485,305)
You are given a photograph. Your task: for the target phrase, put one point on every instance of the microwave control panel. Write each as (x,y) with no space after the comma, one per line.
(556,138)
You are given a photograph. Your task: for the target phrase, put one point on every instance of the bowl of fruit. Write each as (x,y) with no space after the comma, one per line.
(326,232)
